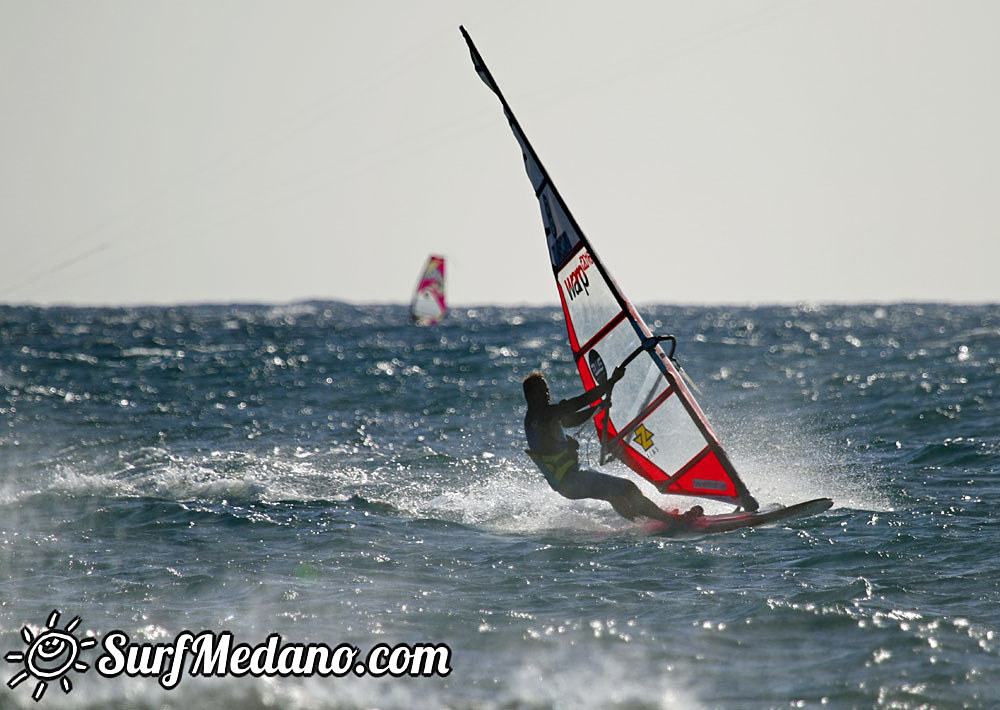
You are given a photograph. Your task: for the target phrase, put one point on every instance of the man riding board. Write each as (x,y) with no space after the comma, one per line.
(555,453)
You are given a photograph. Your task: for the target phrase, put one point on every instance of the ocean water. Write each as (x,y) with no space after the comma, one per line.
(331,474)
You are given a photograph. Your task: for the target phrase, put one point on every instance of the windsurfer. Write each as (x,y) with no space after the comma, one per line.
(555,453)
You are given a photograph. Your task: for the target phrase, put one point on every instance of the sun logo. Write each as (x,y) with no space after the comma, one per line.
(643,437)
(50,656)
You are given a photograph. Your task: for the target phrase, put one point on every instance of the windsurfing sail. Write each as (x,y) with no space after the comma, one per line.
(428,306)
(655,426)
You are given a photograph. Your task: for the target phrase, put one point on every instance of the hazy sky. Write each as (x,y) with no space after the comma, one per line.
(744,152)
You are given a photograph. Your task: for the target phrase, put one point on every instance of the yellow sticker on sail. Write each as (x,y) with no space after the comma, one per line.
(643,437)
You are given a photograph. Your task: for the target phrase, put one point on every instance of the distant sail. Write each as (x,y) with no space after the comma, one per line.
(655,426)
(428,306)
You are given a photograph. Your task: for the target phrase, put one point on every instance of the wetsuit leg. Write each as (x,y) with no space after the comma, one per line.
(623,495)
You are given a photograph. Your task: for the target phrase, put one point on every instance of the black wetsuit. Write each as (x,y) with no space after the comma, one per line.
(555,454)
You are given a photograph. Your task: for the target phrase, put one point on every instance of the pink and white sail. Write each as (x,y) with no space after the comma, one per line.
(428,305)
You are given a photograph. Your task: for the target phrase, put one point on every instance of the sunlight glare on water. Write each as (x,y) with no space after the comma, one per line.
(332,474)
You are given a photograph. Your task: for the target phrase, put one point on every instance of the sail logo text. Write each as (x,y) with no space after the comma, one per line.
(643,437)
(577,281)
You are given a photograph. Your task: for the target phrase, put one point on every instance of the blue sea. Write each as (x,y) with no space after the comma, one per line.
(328,473)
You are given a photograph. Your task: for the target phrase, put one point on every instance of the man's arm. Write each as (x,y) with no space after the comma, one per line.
(575,419)
(569,407)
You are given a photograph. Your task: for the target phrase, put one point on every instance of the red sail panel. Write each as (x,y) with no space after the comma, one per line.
(704,476)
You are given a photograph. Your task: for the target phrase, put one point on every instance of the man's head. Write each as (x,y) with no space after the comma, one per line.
(536,389)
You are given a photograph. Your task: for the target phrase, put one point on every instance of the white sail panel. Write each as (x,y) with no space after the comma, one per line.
(426,307)
(646,413)
(643,382)
(589,304)
(668,436)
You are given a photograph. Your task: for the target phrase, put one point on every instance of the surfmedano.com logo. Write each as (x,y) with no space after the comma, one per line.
(50,656)
(53,653)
